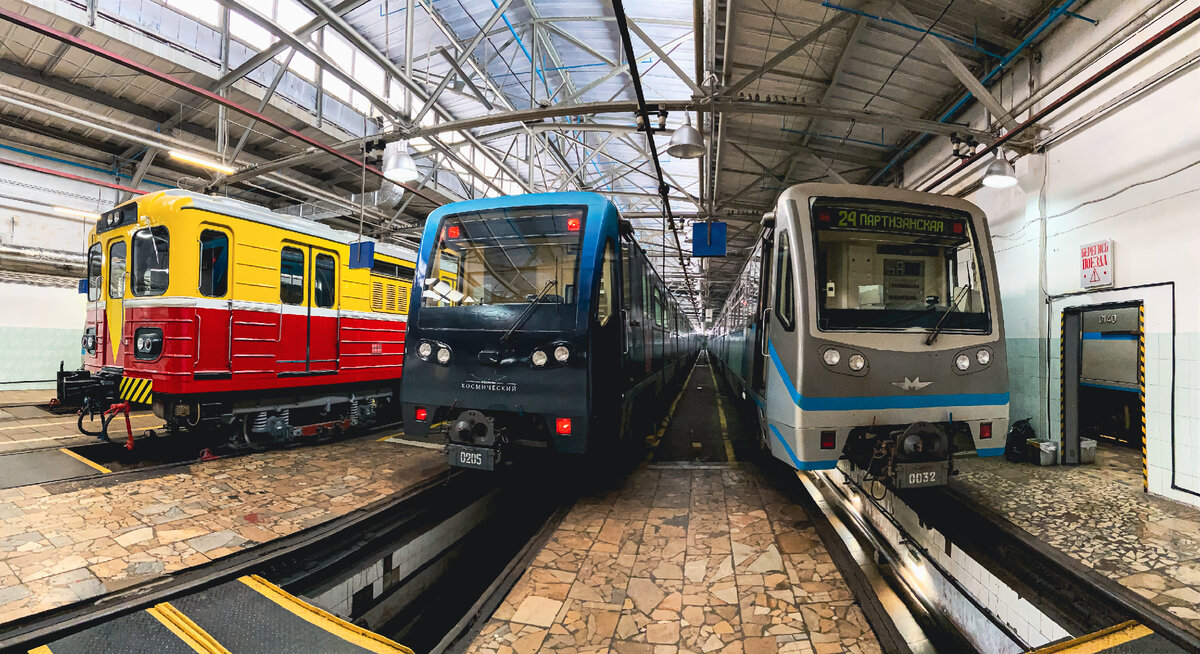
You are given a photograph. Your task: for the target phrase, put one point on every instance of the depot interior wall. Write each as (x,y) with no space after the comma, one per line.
(1153,224)
(43,317)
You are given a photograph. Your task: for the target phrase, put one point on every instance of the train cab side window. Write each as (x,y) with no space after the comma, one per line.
(324,291)
(214,263)
(604,299)
(151,261)
(95,271)
(291,276)
(116,270)
(785,287)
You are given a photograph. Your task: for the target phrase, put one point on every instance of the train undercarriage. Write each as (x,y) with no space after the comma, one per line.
(917,455)
(247,420)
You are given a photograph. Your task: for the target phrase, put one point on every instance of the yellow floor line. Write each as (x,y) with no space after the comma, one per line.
(1099,641)
(365,639)
(185,629)
(721,416)
(41,649)
(84,460)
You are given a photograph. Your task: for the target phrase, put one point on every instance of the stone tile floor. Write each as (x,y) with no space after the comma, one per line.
(678,559)
(63,546)
(1099,515)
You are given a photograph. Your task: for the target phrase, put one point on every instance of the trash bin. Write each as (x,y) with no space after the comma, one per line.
(1087,450)
(1042,453)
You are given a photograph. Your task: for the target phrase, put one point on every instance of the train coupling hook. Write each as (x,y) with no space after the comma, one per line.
(119,408)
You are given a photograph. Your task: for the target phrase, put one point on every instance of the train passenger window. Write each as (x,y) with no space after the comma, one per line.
(116,270)
(95,271)
(785,285)
(151,261)
(291,276)
(324,292)
(627,276)
(214,263)
(604,300)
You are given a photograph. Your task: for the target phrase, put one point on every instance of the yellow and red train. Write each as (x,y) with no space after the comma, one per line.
(227,317)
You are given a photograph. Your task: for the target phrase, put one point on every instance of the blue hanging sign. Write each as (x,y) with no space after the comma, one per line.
(362,254)
(708,239)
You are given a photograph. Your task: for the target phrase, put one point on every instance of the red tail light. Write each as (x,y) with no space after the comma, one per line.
(828,439)
(958,228)
(452,231)
(573,224)
(985,430)
(421,413)
(563,426)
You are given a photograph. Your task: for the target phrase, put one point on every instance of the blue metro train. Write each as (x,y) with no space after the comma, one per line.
(536,321)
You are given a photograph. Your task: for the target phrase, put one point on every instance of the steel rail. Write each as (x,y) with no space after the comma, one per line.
(97,51)
(1104,73)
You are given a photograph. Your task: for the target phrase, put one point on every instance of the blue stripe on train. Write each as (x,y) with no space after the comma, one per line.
(797,463)
(874,403)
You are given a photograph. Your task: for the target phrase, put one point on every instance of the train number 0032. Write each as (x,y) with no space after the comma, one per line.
(927,477)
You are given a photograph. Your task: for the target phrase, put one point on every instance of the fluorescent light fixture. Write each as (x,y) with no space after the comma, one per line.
(202,162)
(67,211)
(1000,173)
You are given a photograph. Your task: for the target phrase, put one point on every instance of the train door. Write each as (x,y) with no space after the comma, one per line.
(114,310)
(214,318)
(292,356)
(781,349)
(606,336)
(631,315)
(758,375)
(323,321)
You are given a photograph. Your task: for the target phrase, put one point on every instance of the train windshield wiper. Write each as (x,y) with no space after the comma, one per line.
(937,329)
(533,304)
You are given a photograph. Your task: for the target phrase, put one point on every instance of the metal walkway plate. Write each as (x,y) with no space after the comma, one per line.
(242,616)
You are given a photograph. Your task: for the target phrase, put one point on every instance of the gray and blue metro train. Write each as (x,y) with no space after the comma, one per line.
(536,321)
(866,325)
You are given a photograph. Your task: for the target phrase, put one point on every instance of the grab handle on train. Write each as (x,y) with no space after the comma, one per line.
(766,329)
(625,333)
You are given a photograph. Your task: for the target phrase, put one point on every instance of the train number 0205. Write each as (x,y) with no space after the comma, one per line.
(925,477)
(470,458)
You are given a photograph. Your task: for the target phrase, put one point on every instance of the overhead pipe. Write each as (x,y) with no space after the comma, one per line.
(1080,89)
(97,51)
(1054,15)
(66,175)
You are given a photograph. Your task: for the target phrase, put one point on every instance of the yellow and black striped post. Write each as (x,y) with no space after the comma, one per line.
(137,391)
(1142,391)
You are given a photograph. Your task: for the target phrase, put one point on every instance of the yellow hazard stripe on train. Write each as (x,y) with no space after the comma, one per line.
(138,391)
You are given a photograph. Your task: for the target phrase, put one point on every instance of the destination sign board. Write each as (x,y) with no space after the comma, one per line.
(882,219)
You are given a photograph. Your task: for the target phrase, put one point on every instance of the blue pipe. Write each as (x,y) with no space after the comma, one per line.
(574,67)
(944,37)
(1058,12)
(79,165)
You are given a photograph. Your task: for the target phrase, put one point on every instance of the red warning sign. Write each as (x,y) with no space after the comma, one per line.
(1096,264)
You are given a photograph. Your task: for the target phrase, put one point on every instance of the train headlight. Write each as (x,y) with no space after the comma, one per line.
(538,358)
(983,357)
(443,355)
(857,362)
(831,357)
(148,343)
(424,350)
(561,354)
(962,361)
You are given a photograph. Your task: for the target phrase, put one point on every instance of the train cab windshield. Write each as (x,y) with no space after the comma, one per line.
(886,265)
(511,256)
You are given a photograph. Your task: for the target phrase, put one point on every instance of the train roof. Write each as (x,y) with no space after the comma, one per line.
(252,212)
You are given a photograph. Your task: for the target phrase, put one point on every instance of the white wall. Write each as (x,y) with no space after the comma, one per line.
(1154,224)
